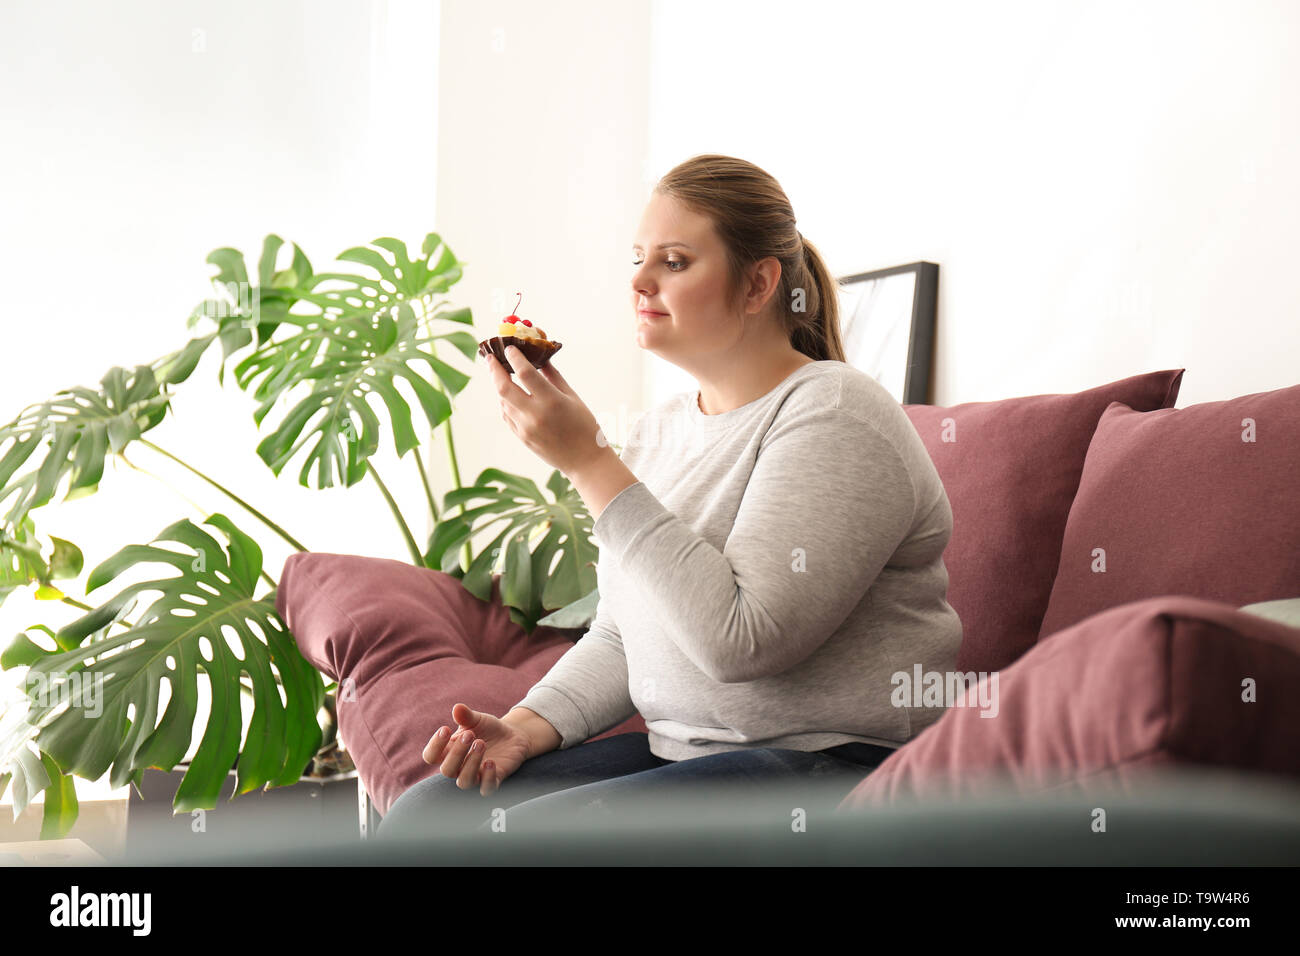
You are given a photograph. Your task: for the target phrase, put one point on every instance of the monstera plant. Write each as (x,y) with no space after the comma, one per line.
(116,690)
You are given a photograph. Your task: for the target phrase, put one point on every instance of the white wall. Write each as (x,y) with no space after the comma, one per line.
(1108,187)
(541,180)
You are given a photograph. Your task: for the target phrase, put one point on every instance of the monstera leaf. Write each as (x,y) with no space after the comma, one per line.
(208,619)
(31,770)
(578,614)
(365,336)
(22,561)
(33,773)
(80,426)
(242,306)
(559,570)
(175,367)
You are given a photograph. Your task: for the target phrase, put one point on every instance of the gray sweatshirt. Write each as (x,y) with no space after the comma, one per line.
(762,583)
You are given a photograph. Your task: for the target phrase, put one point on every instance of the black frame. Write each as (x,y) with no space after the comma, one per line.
(918,377)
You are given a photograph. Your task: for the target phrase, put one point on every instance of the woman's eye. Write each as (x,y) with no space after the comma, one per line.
(671,262)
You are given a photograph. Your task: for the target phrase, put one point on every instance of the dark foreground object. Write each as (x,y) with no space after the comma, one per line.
(1179,819)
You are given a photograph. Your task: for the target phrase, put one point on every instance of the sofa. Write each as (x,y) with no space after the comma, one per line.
(1126,573)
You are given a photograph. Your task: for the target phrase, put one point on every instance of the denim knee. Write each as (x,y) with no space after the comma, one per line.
(435,805)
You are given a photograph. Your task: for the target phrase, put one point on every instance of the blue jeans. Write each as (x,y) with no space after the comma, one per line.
(600,775)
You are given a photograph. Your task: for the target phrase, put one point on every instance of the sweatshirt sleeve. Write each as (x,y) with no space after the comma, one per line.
(586,691)
(827,503)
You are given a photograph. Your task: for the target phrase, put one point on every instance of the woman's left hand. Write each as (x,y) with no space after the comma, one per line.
(549,418)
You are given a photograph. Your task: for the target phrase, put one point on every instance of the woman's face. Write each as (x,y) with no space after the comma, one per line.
(686,281)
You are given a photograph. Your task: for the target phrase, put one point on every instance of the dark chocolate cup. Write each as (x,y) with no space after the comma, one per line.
(536,352)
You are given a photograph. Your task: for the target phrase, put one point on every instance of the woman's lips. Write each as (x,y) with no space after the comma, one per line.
(649,314)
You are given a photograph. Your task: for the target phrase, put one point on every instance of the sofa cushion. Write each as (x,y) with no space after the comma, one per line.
(413,642)
(1164,681)
(1010,469)
(1199,500)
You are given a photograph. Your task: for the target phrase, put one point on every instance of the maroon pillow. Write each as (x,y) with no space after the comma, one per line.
(1198,500)
(1010,469)
(1148,684)
(414,642)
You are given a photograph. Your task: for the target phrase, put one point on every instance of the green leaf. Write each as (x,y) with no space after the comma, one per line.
(60,801)
(29,778)
(464,341)
(208,619)
(517,578)
(24,652)
(230,266)
(176,367)
(21,652)
(79,425)
(244,306)
(21,561)
(23,564)
(67,559)
(445,541)
(578,614)
(266,265)
(478,576)
(551,560)
(364,337)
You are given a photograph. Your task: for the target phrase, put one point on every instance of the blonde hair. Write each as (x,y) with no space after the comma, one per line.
(754,219)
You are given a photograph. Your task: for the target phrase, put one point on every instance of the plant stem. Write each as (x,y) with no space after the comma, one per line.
(75,603)
(455,475)
(451,445)
(269,580)
(428,492)
(451,450)
(163,481)
(294,542)
(416,556)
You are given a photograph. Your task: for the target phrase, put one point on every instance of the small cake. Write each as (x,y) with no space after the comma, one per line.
(523,335)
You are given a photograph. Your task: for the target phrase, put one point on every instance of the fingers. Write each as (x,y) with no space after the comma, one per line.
(524,370)
(533,378)
(461,754)
(512,395)
(475,770)
(467,779)
(555,378)
(457,748)
(456,753)
(500,377)
(433,749)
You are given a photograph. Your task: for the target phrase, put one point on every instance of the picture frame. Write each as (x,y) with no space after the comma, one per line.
(887,322)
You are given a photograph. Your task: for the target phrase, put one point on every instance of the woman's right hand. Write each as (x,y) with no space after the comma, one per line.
(502,750)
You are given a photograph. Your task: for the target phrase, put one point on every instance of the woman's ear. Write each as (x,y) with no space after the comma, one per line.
(764,280)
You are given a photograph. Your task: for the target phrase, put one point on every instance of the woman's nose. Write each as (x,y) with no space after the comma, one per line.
(639,282)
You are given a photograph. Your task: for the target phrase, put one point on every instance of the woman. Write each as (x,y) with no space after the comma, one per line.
(770,546)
